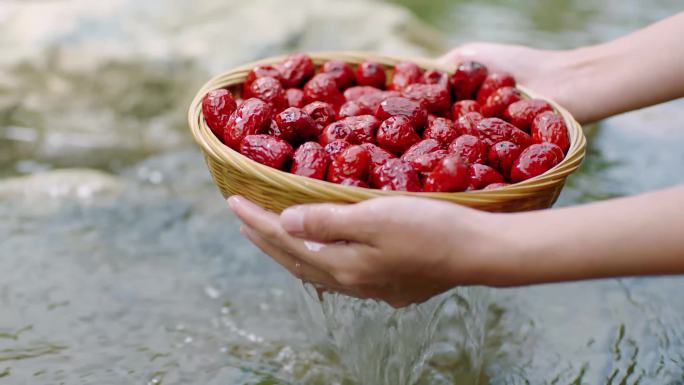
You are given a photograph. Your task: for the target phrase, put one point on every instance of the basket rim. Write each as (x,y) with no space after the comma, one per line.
(214,148)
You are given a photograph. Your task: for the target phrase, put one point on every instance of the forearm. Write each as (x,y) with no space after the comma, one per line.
(635,71)
(641,235)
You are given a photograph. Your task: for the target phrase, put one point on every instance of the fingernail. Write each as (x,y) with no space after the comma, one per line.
(292,219)
(233,202)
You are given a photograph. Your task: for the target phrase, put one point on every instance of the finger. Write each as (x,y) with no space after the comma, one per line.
(337,259)
(299,269)
(327,222)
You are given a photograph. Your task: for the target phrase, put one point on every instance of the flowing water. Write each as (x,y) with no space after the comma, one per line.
(120,263)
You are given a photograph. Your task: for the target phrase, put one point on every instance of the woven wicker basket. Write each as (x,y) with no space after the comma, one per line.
(276,190)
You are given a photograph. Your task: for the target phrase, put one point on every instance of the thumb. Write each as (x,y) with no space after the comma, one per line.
(323,222)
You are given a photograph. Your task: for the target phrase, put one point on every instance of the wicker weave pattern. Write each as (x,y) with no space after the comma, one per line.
(276,190)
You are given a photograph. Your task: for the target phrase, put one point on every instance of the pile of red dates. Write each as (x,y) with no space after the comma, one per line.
(414,131)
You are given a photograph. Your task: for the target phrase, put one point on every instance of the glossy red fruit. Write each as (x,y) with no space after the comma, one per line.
(435,98)
(353,183)
(372,101)
(370,73)
(340,71)
(414,111)
(550,127)
(482,176)
(322,87)
(322,113)
(266,149)
(353,108)
(405,73)
(295,124)
(467,124)
(252,117)
(495,186)
(270,91)
(395,175)
(396,135)
(470,148)
(354,93)
(467,79)
(352,163)
(498,101)
(427,162)
(450,175)
(378,156)
(462,107)
(310,160)
(295,97)
(502,155)
(423,147)
(441,129)
(437,77)
(296,70)
(257,72)
(535,160)
(217,106)
(493,82)
(493,130)
(522,112)
(363,128)
(336,147)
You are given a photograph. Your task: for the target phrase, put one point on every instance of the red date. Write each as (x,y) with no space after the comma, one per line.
(266,149)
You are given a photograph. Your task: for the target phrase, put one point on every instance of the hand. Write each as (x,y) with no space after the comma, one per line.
(401,250)
(544,71)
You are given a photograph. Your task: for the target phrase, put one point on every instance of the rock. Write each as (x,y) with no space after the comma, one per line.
(80,184)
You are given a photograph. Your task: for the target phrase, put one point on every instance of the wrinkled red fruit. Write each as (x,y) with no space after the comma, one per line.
(499,100)
(340,71)
(295,124)
(257,72)
(395,175)
(495,186)
(427,162)
(296,69)
(470,148)
(378,156)
(353,108)
(467,124)
(493,82)
(372,101)
(462,107)
(295,97)
(437,77)
(467,79)
(322,113)
(405,73)
(550,127)
(336,147)
(535,160)
(423,147)
(217,106)
(502,155)
(398,106)
(271,91)
(396,135)
(441,129)
(266,149)
(351,163)
(322,87)
(310,160)
(450,175)
(371,74)
(252,117)
(354,93)
(482,176)
(354,129)
(434,97)
(493,130)
(353,183)
(522,112)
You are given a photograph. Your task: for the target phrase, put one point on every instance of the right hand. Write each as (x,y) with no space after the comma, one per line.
(544,71)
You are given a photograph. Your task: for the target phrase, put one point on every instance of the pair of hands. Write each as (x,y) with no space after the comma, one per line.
(400,250)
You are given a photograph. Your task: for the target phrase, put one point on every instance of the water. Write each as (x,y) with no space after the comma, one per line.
(136,273)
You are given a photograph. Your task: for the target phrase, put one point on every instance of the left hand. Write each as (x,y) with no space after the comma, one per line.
(401,250)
